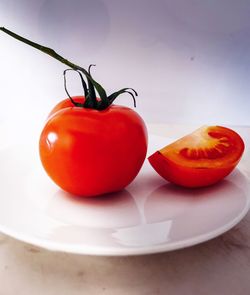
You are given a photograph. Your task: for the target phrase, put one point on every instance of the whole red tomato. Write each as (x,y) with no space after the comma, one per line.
(201,158)
(88,152)
(89,146)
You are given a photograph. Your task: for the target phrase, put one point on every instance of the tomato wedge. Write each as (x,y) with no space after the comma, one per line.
(201,158)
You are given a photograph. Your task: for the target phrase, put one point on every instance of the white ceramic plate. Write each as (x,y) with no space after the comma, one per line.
(150,216)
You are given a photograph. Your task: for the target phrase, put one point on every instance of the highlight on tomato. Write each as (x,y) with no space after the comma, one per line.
(201,158)
(89,146)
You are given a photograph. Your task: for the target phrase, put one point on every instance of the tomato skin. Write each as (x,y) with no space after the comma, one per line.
(186,176)
(172,166)
(88,152)
(66,103)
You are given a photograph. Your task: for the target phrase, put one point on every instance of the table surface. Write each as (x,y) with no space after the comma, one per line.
(219,266)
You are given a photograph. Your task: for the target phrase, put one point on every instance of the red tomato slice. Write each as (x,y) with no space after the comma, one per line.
(201,158)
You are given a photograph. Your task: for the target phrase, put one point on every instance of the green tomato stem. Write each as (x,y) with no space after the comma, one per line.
(91,101)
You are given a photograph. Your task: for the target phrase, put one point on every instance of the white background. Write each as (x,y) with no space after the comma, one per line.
(189,60)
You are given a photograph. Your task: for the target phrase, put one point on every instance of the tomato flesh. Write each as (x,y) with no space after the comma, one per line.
(88,152)
(201,158)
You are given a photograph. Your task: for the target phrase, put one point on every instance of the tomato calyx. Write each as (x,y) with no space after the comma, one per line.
(91,101)
(90,88)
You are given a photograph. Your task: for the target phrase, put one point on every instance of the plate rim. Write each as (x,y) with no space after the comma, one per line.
(113,251)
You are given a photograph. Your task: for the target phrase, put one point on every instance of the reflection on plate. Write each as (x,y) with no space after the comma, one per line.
(150,216)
